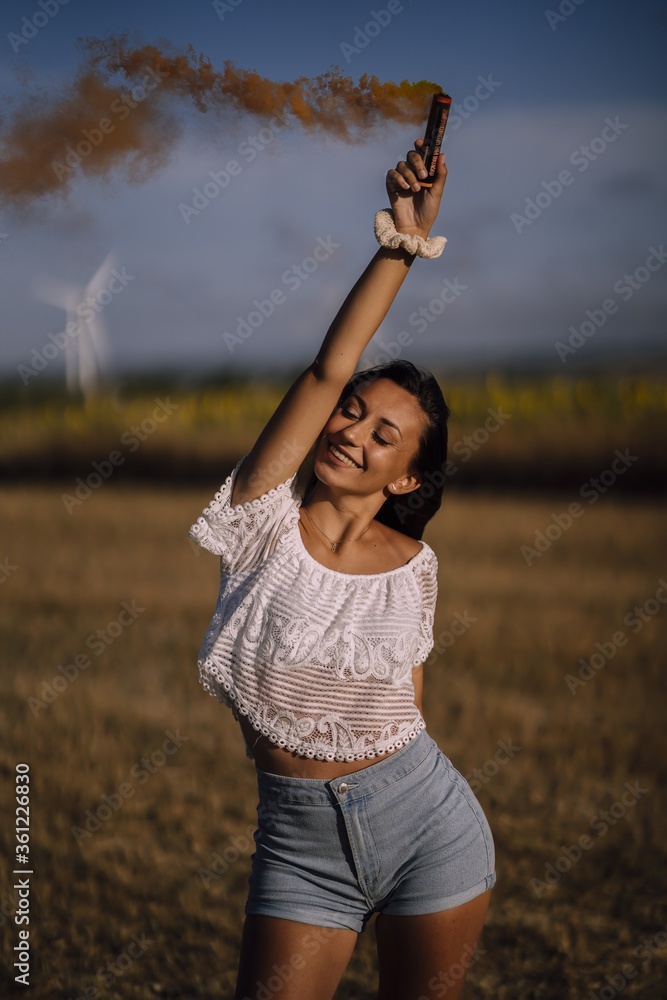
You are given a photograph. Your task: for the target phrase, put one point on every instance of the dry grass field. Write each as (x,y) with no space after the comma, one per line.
(551,699)
(148,901)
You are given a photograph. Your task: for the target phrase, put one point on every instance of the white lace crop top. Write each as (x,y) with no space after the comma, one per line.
(318,660)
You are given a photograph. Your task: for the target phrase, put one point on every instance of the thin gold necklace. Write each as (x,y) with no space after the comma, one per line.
(334,545)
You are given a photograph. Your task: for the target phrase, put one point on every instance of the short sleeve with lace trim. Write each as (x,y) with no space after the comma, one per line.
(247,533)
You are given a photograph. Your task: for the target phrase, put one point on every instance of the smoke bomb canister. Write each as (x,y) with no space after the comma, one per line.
(435,133)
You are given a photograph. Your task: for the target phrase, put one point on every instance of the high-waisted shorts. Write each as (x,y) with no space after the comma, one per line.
(403,836)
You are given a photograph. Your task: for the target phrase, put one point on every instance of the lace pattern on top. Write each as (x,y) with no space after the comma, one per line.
(319,661)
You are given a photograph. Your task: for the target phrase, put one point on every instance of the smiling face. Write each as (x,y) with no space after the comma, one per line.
(370,441)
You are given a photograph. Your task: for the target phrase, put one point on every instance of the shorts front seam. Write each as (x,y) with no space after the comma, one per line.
(364,884)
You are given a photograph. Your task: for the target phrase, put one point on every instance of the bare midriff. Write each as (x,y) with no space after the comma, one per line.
(278,760)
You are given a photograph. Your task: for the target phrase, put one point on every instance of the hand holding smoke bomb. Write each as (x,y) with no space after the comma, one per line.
(415,203)
(435,134)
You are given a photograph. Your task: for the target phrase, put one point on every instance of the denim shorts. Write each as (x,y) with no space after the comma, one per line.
(403,836)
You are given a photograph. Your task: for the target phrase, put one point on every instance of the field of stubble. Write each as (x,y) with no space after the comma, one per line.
(140,788)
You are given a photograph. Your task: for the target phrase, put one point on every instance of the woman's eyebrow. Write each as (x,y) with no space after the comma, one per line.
(383,420)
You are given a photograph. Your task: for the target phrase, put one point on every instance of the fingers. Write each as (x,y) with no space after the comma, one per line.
(405,178)
(440,168)
(436,181)
(402,178)
(440,174)
(417,164)
(408,172)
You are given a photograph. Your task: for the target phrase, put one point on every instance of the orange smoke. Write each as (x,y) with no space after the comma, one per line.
(118,112)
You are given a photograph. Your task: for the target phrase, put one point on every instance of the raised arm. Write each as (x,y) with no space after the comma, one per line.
(299,418)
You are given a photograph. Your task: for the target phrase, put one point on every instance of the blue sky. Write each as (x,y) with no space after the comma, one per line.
(569,90)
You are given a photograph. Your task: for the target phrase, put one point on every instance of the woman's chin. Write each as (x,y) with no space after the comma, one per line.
(329,474)
(324,471)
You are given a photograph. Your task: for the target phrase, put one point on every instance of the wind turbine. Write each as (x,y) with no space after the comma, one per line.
(86,353)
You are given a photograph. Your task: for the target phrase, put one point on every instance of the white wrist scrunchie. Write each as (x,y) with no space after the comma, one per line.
(386,235)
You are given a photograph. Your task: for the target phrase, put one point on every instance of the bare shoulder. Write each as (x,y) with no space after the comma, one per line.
(402,545)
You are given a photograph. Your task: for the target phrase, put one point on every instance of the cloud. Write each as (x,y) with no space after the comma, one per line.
(523,289)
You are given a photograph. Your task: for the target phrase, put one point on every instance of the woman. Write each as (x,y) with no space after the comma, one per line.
(317,643)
